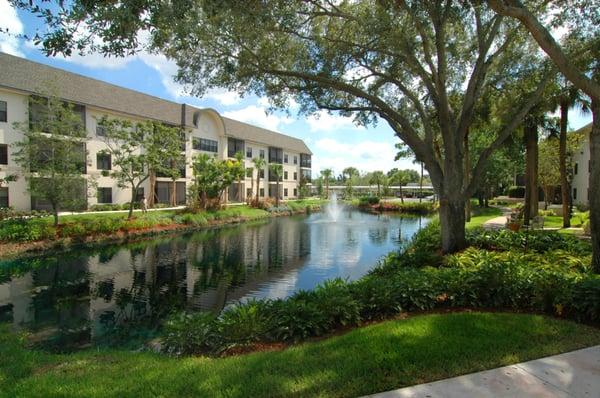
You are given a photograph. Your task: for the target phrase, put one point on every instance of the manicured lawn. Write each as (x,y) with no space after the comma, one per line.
(367,360)
(482,214)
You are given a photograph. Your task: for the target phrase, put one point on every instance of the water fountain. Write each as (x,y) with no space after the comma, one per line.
(333,209)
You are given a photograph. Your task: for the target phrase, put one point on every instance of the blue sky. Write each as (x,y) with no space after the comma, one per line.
(335,141)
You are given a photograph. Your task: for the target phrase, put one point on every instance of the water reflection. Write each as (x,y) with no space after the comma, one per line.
(118,294)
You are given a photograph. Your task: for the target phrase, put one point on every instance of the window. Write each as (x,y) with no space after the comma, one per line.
(261,153)
(104,195)
(3,111)
(295,192)
(285,158)
(576,168)
(295,176)
(234,146)
(3,197)
(285,192)
(100,131)
(103,161)
(262,192)
(262,173)
(306,175)
(305,160)
(249,152)
(3,154)
(249,171)
(295,159)
(275,155)
(574,193)
(139,194)
(248,192)
(285,175)
(202,144)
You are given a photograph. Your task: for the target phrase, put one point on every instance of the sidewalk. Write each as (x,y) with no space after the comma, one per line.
(574,374)
(498,222)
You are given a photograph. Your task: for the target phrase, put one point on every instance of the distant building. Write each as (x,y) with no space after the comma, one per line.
(208,132)
(581,169)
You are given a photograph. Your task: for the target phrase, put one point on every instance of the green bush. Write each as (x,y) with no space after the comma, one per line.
(368,200)
(244,323)
(195,219)
(516,192)
(24,230)
(190,334)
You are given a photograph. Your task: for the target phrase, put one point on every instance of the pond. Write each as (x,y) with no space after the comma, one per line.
(119,294)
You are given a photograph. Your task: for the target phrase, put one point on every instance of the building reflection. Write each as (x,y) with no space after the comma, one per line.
(118,293)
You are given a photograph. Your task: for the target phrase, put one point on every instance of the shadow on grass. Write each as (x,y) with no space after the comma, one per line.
(367,360)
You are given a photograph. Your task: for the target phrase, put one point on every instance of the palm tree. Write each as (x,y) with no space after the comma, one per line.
(326,173)
(400,177)
(277,171)
(377,178)
(259,164)
(567,98)
(349,174)
(239,157)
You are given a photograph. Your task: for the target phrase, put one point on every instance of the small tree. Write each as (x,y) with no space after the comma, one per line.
(240,172)
(53,154)
(401,177)
(277,171)
(326,174)
(350,173)
(377,179)
(211,177)
(259,164)
(138,149)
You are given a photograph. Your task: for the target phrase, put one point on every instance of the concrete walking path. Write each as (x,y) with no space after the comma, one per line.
(500,221)
(574,374)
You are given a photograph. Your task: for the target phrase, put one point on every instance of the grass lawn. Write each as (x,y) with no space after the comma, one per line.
(479,215)
(376,358)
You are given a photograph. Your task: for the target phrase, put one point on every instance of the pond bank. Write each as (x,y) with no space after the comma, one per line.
(101,228)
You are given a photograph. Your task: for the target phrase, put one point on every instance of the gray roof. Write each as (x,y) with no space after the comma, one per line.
(248,132)
(32,77)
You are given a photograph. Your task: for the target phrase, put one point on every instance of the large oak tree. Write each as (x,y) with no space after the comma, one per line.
(581,19)
(421,66)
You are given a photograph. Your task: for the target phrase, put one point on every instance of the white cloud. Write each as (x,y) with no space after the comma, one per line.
(9,21)
(323,121)
(258,116)
(223,96)
(365,156)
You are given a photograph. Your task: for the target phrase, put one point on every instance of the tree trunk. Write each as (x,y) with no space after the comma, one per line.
(131,203)
(452,222)
(257,186)
(151,196)
(421,185)
(594,185)
(55,214)
(173,198)
(564,182)
(531,185)
(239,191)
(466,178)
(401,194)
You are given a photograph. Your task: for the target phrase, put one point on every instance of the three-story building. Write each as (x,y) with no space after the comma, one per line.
(206,131)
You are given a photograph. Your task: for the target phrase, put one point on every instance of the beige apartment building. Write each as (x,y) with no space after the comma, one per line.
(206,132)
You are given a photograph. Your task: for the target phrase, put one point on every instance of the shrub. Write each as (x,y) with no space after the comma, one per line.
(23,230)
(195,219)
(189,334)
(516,192)
(368,200)
(244,323)
(408,207)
